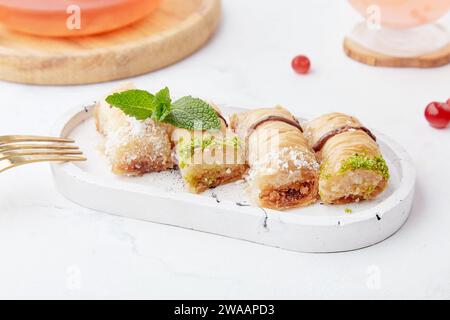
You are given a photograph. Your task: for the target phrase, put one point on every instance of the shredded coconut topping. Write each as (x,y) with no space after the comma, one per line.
(135,131)
(291,160)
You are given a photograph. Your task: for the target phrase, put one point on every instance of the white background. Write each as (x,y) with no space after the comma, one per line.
(51,248)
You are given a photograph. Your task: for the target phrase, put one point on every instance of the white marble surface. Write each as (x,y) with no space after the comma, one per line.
(51,248)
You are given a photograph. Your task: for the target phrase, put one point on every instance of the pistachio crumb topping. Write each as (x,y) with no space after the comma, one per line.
(348,210)
(362,161)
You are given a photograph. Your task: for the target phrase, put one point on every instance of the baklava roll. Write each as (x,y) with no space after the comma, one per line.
(283,170)
(133,147)
(352,166)
(207,159)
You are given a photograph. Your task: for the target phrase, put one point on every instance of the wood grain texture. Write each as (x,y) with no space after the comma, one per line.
(175,30)
(366,56)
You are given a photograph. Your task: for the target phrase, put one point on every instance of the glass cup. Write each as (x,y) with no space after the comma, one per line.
(403,28)
(403,14)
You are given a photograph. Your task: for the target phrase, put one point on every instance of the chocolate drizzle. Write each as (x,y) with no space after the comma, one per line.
(222,118)
(293,123)
(319,144)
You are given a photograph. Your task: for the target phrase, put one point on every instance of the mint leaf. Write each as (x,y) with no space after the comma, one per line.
(187,113)
(193,114)
(134,103)
(161,105)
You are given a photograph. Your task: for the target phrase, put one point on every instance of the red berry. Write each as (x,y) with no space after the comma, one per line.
(446,109)
(436,115)
(301,64)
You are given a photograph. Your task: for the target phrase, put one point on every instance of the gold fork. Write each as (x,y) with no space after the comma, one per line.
(18,150)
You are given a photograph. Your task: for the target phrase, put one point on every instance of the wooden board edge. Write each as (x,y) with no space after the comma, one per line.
(358,53)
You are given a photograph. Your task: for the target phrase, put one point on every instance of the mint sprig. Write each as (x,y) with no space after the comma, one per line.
(187,113)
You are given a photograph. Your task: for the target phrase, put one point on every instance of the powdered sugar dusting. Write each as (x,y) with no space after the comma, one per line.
(147,134)
(290,160)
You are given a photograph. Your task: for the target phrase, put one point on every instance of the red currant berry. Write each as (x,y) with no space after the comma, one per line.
(301,64)
(436,116)
(446,109)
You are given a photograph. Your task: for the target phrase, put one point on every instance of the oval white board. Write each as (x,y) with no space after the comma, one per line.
(161,198)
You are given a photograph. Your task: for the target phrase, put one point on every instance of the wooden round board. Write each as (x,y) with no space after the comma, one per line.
(366,56)
(175,30)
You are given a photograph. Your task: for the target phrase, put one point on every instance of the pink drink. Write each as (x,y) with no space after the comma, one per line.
(402,14)
(50,17)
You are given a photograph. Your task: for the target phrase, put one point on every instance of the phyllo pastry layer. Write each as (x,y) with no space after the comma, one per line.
(209,159)
(133,147)
(352,166)
(283,170)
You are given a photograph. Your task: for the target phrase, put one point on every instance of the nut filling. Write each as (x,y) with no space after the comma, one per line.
(294,194)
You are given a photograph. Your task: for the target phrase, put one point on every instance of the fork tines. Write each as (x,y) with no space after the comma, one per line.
(16,150)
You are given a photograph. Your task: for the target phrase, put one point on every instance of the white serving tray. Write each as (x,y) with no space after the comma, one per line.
(160,198)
